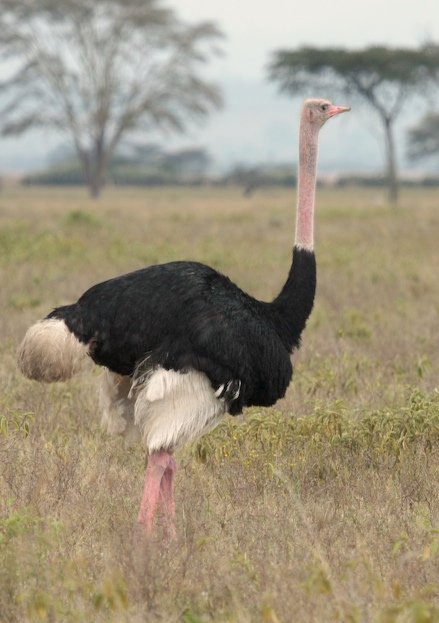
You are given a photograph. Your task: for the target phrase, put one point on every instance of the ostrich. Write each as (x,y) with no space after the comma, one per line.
(181,344)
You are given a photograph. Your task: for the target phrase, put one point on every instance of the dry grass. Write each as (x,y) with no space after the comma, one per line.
(325,509)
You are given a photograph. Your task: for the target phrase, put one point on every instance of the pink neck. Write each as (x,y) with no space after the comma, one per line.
(306,184)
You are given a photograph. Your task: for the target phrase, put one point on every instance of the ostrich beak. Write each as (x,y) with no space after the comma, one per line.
(336,110)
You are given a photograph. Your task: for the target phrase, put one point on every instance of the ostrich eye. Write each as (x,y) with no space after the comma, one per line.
(324,107)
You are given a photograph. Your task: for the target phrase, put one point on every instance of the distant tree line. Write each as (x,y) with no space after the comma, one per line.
(141,165)
(153,166)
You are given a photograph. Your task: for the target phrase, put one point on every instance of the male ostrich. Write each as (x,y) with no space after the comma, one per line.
(181,344)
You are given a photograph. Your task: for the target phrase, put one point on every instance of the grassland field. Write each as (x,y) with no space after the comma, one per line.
(322,509)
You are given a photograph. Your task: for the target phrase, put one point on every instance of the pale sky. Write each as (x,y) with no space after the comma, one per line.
(257,124)
(253,29)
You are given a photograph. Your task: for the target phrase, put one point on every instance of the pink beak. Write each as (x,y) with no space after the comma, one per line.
(336,110)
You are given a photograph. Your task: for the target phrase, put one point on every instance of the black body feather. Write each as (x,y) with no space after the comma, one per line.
(186,315)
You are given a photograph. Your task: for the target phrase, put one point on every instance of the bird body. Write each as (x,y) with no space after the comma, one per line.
(185,315)
(182,334)
(181,344)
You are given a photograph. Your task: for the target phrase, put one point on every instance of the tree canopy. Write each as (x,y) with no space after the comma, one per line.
(383,78)
(101,69)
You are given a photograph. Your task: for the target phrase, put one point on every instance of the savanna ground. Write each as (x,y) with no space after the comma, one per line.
(323,509)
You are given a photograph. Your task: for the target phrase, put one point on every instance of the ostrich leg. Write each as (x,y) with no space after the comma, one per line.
(158,463)
(167,499)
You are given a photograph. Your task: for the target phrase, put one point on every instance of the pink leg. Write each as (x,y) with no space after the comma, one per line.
(158,463)
(167,499)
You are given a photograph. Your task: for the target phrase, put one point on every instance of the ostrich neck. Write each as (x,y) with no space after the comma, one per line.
(306,185)
(292,307)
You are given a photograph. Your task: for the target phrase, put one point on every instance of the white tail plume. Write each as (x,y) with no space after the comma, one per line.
(50,352)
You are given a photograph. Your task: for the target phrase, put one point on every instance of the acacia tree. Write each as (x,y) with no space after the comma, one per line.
(383,78)
(100,69)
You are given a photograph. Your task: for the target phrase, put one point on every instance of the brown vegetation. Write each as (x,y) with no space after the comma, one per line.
(323,509)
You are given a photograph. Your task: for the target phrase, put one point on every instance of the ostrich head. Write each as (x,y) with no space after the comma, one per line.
(317,111)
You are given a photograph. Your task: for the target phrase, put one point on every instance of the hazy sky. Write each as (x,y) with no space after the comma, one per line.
(254,29)
(258,124)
